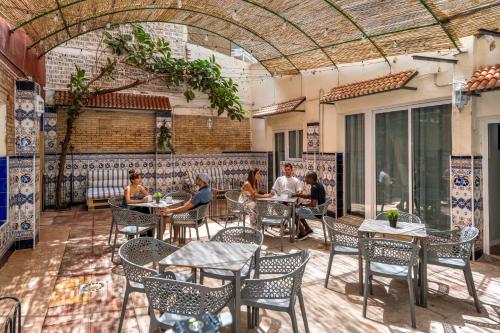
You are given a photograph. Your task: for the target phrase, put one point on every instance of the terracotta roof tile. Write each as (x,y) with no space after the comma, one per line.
(485,78)
(119,101)
(368,87)
(279,108)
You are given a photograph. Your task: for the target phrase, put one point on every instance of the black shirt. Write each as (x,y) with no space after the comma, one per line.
(318,193)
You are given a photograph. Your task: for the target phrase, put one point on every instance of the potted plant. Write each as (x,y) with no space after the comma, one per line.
(392,216)
(157,197)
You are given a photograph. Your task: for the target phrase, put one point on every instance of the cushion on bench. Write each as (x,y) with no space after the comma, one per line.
(108,178)
(97,193)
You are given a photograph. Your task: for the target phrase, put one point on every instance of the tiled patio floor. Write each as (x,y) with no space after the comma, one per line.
(48,281)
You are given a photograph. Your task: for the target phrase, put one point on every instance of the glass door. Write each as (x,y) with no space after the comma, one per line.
(355,164)
(391,161)
(279,152)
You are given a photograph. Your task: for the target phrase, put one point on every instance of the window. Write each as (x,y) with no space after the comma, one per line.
(287,144)
(295,139)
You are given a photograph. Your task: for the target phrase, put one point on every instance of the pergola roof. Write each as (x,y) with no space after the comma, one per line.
(285,36)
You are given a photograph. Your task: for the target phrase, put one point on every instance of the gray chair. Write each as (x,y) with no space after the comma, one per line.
(12,319)
(234,207)
(193,218)
(131,223)
(234,235)
(140,258)
(277,293)
(176,300)
(403,217)
(316,213)
(271,213)
(392,259)
(344,239)
(114,202)
(179,195)
(453,249)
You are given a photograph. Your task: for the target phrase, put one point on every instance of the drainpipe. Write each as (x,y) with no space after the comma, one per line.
(320,120)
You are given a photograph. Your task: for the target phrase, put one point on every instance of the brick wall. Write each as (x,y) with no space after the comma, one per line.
(7,89)
(111,131)
(192,135)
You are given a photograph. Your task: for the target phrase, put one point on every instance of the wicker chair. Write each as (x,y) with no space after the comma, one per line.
(177,300)
(453,249)
(234,235)
(277,293)
(403,217)
(234,207)
(114,202)
(193,218)
(271,213)
(136,255)
(316,213)
(131,223)
(179,195)
(392,259)
(344,240)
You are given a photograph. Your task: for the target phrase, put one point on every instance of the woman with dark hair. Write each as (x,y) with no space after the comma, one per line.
(135,192)
(250,192)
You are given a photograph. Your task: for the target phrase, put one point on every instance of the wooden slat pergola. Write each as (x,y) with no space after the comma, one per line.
(284,36)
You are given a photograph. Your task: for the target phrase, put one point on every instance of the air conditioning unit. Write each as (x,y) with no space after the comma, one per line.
(39,105)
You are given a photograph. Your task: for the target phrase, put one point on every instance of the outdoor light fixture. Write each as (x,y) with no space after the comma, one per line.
(210,123)
(179,4)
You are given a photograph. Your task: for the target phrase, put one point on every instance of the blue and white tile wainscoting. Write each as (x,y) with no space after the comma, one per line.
(7,235)
(313,137)
(161,172)
(466,179)
(328,166)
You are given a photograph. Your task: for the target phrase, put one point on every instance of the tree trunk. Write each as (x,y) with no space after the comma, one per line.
(62,160)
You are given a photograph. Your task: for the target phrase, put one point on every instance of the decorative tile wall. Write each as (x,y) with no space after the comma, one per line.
(313,137)
(478,199)
(26,121)
(161,172)
(50,132)
(6,227)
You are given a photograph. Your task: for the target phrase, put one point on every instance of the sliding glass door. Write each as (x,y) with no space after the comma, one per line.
(279,152)
(355,164)
(412,152)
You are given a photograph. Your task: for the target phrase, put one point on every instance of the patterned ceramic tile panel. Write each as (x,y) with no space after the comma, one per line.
(50,132)
(6,226)
(26,123)
(478,199)
(313,137)
(163,119)
(461,190)
(326,168)
(162,172)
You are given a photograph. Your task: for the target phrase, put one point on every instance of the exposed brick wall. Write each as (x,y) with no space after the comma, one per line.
(7,88)
(191,135)
(111,131)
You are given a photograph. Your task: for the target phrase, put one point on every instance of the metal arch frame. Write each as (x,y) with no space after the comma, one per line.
(357,26)
(34,18)
(446,31)
(146,21)
(62,17)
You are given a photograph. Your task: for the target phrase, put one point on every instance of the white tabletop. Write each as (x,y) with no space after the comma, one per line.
(152,204)
(211,255)
(402,228)
(280,199)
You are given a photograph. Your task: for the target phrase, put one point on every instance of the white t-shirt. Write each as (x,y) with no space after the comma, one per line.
(287,184)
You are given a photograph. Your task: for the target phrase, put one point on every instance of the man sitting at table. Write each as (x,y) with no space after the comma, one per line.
(201,197)
(307,210)
(287,183)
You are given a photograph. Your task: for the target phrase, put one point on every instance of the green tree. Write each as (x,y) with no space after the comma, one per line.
(153,58)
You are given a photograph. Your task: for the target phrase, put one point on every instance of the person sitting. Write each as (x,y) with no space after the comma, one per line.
(307,210)
(202,197)
(250,192)
(287,183)
(135,193)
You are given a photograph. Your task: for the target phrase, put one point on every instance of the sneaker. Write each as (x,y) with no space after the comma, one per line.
(306,235)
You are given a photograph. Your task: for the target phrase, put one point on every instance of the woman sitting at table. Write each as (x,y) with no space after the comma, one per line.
(250,192)
(135,193)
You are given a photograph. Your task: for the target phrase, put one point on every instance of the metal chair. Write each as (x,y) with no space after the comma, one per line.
(12,321)
(114,202)
(392,259)
(344,239)
(176,300)
(271,213)
(131,223)
(403,217)
(193,218)
(243,235)
(277,293)
(234,207)
(453,249)
(137,255)
(316,213)
(179,195)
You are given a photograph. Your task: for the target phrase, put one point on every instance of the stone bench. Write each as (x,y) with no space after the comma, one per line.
(104,184)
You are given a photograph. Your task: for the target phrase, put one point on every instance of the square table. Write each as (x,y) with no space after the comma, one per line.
(216,255)
(415,230)
(289,201)
(153,205)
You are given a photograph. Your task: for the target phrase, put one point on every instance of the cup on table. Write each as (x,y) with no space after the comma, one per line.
(168,200)
(149,198)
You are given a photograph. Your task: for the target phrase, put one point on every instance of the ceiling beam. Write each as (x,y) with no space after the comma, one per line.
(436,59)
(441,24)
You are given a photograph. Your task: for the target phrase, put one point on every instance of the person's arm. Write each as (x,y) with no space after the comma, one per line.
(276,186)
(313,198)
(186,207)
(247,187)
(130,201)
(144,191)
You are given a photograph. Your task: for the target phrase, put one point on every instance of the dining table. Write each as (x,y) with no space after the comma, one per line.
(167,202)
(287,200)
(416,231)
(216,255)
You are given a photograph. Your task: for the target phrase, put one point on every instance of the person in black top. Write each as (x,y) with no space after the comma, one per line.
(316,197)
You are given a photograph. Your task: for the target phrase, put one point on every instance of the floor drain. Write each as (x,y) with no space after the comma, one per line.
(92,287)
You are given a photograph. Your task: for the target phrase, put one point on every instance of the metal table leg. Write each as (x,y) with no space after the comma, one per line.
(237,302)
(292,225)
(423,276)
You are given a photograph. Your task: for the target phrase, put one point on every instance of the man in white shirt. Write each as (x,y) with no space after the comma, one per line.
(287,183)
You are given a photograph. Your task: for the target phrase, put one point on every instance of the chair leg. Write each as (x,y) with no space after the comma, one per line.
(255,319)
(111,232)
(371,285)
(294,320)
(124,307)
(473,288)
(152,324)
(281,236)
(360,274)
(328,270)
(467,282)
(365,292)
(197,232)
(114,246)
(171,231)
(324,231)
(208,229)
(412,301)
(303,310)
(249,320)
